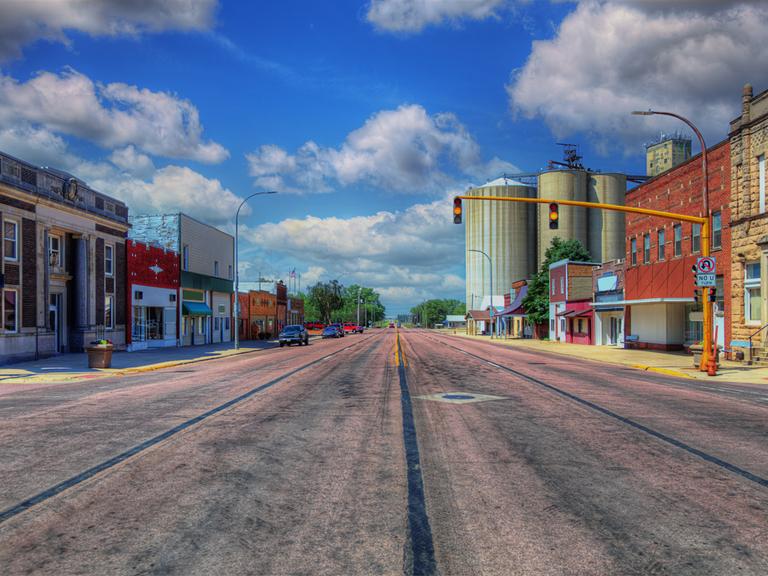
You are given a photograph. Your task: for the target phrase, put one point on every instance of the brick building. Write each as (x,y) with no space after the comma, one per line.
(749,225)
(262,308)
(608,290)
(660,312)
(153,296)
(571,317)
(243,322)
(62,269)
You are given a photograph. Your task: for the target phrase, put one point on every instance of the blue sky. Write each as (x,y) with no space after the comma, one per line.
(365,115)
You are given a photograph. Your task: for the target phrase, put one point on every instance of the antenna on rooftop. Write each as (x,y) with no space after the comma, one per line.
(571,157)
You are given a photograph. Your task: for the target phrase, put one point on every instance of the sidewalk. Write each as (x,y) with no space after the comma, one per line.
(74,367)
(671,363)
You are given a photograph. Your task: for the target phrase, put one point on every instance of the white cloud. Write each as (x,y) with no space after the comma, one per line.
(609,58)
(36,145)
(170,189)
(24,21)
(404,150)
(132,161)
(407,256)
(110,115)
(415,15)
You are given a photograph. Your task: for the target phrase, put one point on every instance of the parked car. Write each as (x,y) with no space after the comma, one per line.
(350,328)
(340,328)
(314,325)
(331,332)
(294,334)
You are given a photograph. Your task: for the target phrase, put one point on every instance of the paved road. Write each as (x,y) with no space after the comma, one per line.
(345,457)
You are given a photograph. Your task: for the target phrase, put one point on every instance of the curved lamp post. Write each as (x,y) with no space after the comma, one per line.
(490,267)
(705,230)
(237,270)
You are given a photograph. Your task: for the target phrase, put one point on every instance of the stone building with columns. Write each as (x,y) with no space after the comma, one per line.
(62,271)
(749,220)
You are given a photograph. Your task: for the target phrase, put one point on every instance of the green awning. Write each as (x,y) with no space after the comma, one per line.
(196,309)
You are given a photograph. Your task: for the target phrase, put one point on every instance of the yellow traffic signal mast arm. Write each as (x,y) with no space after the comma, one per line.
(616,207)
(705,246)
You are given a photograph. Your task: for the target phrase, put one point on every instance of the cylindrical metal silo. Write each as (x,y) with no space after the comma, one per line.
(606,227)
(506,231)
(562,185)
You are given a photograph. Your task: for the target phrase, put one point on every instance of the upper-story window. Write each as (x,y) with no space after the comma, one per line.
(661,245)
(761,180)
(109,253)
(55,256)
(678,243)
(185,257)
(562,284)
(633,250)
(696,238)
(646,248)
(11,239)
(215,267)
(717,230)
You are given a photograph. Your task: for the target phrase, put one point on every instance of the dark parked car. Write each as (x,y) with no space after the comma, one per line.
(331,332)
(340,328)
(294,334)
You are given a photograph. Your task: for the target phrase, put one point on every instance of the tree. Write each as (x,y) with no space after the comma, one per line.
(536,301)
(325,298)
(430,312)
(369,300)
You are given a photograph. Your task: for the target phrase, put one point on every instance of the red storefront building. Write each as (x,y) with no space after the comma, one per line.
(660,311)
(153,296)
(571,316)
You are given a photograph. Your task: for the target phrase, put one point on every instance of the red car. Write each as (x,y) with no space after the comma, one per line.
(352,328)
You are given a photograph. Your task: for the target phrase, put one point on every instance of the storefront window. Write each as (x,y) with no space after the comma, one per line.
(108,310)
(10,311)
(752,300)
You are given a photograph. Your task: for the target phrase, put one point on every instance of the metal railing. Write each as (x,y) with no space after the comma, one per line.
(755,333)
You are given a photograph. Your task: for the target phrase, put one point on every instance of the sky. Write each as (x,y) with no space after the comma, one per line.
(366,116)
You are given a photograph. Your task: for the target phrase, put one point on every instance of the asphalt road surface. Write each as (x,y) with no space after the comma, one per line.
(384,454)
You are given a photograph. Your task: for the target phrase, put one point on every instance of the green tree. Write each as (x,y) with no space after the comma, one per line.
(430,312)
(311,312)
(370,304)
(536,301)
(325,299)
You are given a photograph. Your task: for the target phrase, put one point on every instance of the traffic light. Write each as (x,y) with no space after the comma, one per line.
(696,295)
(456,210)
(553,216)
(713,294)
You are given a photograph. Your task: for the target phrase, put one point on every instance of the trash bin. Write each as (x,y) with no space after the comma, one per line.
(100,356)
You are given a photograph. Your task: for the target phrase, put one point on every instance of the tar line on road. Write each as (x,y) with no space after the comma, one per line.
(91,472)
(422,549)
(746,474)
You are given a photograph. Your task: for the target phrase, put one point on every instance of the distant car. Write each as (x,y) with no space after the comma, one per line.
(360,329)
(314,325)
(339,327)
(351,328)
(331,332)
(293,334)
(391,324)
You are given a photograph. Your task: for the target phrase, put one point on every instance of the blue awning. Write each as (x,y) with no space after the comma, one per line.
(196,309)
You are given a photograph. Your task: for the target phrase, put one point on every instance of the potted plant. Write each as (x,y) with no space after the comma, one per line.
(100,354)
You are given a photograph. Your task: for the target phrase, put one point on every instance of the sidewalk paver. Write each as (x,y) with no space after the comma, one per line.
(74,367)
(671,363)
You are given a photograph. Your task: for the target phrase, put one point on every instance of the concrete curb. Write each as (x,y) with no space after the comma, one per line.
(666,371)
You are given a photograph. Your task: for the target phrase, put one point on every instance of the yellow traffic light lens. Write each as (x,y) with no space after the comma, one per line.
(457,210)
(553,215)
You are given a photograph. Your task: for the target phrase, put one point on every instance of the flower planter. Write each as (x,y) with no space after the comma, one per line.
(100,356)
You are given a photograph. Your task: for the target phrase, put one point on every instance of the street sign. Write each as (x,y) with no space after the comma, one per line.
(705,280)
(705,265)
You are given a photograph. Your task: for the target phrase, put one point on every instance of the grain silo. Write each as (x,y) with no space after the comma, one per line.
(606,227)
(506,231)
(562,185)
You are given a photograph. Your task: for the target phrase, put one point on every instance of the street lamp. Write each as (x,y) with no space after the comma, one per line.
(490,267)
(705,229)
(237,270)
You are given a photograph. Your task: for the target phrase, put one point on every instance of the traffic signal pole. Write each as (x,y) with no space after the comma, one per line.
(707,352)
